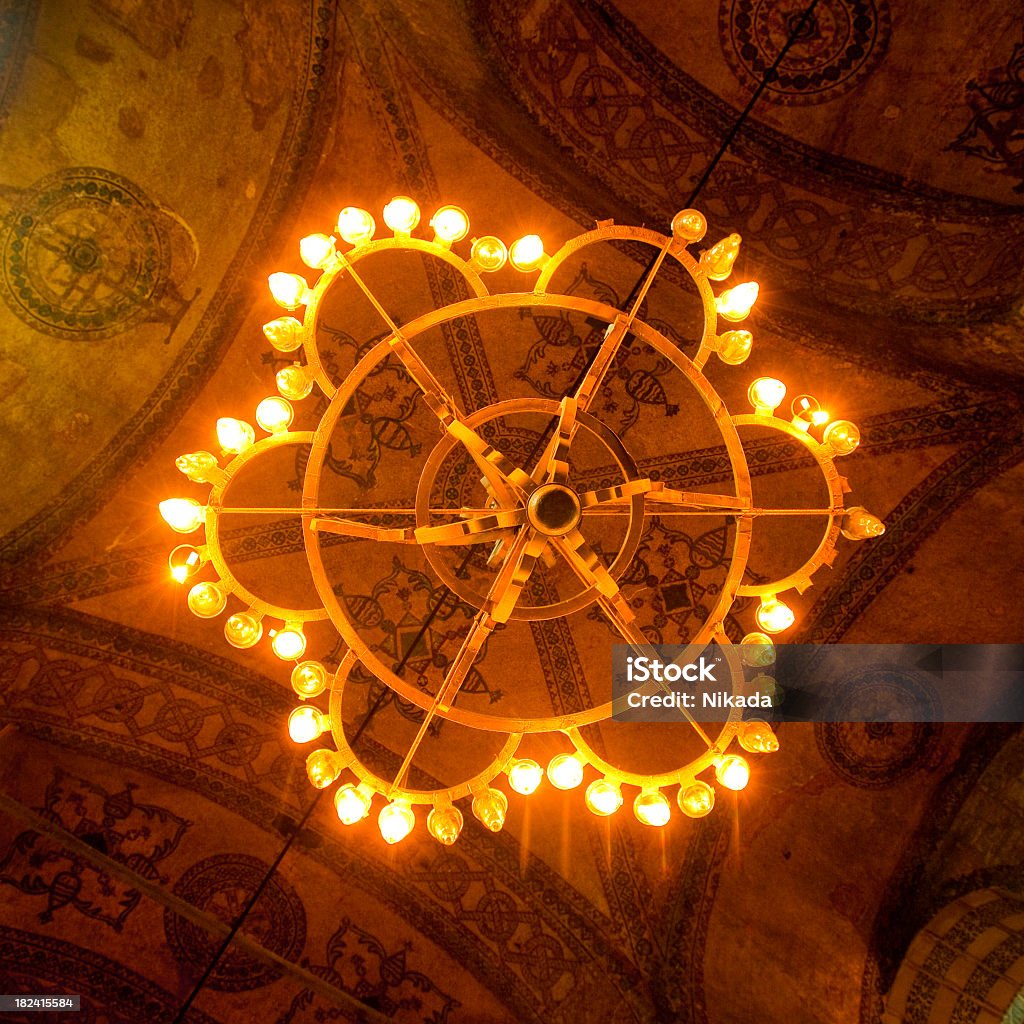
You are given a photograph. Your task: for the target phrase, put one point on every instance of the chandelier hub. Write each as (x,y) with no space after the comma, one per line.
(554,510)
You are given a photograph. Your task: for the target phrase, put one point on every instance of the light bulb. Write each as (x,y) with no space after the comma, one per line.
(603,797)
(524,776)
(756,736)
(306,723)
(355,225)
(402,215)
(289,644)
(696,800)
(652,808)
(860,524)
(284,333)
(718,260)
(197,466)
(274,415)
(450,224)
(289,290)
(183,515)
(527,253)
(489,808)
(445,824)
(234,435)
(351,803)
(488,253)
(769,687)
(322,767)
(689,225)
(317,250)
(773,615)
(243,630)
(309,679)
(757,650)
(184,562)
(842,437)
(736,303)
(206,600)
(733,773)
(733,347)
(806,409)
(565,771)
(396,821)
(293,382)
(765,394)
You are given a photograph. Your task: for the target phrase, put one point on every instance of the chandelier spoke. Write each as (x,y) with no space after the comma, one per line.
(656,492)
(477,530)
(553,465)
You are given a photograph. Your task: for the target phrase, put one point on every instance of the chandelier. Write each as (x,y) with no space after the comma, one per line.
(528,517)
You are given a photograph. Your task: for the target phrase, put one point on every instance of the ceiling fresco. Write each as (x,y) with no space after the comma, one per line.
(158,161)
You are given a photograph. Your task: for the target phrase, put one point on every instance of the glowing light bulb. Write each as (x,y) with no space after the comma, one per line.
(197,466)
(603,797)
(733,347)
(733,773)
(445,824)
(488,254)
(806,409)
(309,679)
(284,333)
(306,723)
(184,562)
(524,776)
(765,394)
(234,435)
(773,615)
(719,259)
(183,515)
(351,803)
(696,800)
(243,630)
(396,821)
(527,253)
(206,600)
(736,303)
(842,437)
(489,808)
(402,215)
(293,382)
(450,224)
(289,290)
(274,415)
(652,808)
(756,736)
(565,771)
(289,644)
(355,225)
(322,768)
(860,524)
(317,251)
(689,225)
(757,650)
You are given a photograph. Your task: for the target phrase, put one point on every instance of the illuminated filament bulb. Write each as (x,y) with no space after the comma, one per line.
(733,773)
(445,824)
(736,303)
(773,615)
(284,333)
(356,226)
(651,807)
(450,224)
(306,723)
(766,394)
(206,600)
(293,382)
(603,797)
(527,253)
(524,776)
(757,650)
(352,803)
(234,435)
(274,415)
(565,771)
(807,412)
(402,215)
(317,251)
(733,347)
(309,679)
(183,515)
(689,225)
(757,737)
(184,562)
(289,290)
(696,800)
(396,821)
(199,467)
(243,630)
(289,644)
(489,808)
(719,259)
(323,767)
(860,524)
(488,254)
(842,437)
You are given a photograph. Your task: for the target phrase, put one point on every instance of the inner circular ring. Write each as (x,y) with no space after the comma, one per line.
(554,510)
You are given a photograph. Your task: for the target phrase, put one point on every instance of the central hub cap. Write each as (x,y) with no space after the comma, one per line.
(553,509)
